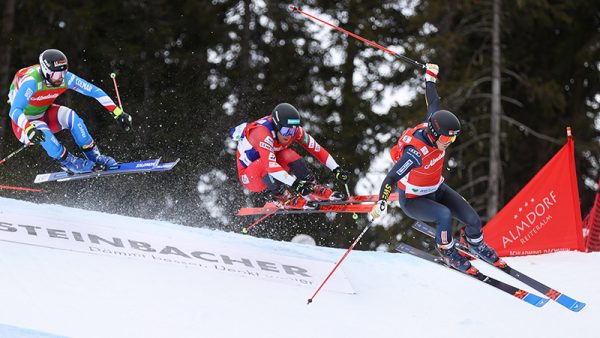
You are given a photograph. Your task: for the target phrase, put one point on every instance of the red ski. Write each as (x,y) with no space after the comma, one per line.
(270,207)
(361,199)
(355,204)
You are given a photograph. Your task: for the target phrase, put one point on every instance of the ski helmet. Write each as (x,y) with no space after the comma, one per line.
(443,126)
(286,119)
(53,64)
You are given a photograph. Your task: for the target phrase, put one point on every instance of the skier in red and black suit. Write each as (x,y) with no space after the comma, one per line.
(264,160)
(423,195)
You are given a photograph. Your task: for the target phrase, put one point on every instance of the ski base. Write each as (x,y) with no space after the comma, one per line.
(556,296)
(121,168)
(513,291)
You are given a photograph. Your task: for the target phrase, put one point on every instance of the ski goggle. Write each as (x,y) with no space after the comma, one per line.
(288,131)
(447,139)
(57,76)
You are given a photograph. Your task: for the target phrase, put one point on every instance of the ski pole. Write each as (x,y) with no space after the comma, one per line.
(114,77)
(13,153)
(341,260)
(247,229)
(8,187)
(401,57)
(354,215)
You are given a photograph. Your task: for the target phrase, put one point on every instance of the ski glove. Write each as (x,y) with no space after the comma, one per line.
(303,187)
(341,175)
(123,119)
(379,209)
(35,135)
(431,72)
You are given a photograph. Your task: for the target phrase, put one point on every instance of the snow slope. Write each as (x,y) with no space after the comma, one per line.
(76,273)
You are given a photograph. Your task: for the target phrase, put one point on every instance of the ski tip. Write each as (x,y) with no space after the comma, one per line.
(542,302)
(41,178)
(577,306)
(245,231)
(570,303)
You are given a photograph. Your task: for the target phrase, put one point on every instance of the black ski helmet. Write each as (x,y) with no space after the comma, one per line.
(285,115)
(443,122)
(52,60)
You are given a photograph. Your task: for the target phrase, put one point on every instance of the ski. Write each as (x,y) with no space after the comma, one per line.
(513,291)
(352,200)
(165,166)
(121,168)
(269,207)
(354,204)
(360,199)
(551,293)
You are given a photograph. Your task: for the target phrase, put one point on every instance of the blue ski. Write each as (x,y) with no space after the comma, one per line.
(513,291)
(556,296)
(121,168)
(165,166)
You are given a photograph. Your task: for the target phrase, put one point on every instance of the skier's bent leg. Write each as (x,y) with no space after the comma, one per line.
(467,215)
(51,144)
(57,151)
(60,117)
(461,209)
(291,162)
(251,176)
(428,210)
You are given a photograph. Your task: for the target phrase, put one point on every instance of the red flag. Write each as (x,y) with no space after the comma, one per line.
(544,216)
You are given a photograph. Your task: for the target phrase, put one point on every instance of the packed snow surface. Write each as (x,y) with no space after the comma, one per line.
(76,273)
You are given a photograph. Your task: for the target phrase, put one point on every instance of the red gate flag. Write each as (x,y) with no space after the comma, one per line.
(545,215)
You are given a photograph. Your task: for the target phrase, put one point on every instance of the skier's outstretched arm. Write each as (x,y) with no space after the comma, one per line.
(431,96)
(310,144)
(88,89)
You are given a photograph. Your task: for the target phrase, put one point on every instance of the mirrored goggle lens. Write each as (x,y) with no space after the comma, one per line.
(57,76)
(288,131)
(447,139)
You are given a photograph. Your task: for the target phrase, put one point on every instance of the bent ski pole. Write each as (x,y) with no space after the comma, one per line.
(247,229)
(341,260)
(401,57)
(13,153)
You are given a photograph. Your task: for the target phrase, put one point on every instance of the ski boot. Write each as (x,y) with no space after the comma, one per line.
(454,259)
(287,200)
(324,193)
(481,250)
(75,165)
(93,154)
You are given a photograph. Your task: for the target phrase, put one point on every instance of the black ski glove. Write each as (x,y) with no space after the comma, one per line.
(341,175)
(303,187)
(35,135)
(123,119)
